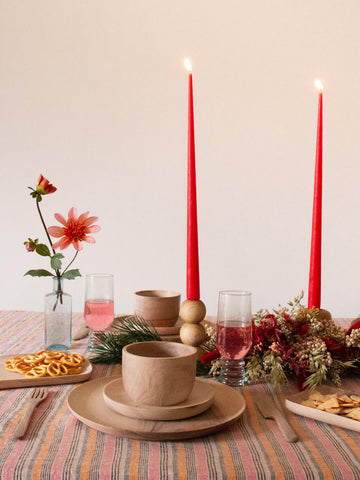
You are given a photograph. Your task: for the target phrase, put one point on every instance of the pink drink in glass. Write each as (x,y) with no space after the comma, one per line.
(99,314)
(233,343)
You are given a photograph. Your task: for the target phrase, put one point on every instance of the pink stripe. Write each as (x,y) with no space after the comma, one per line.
(59,461)
(9,402)
(200,460)
(107,458)
(327,445)
(246,457)
(154,461)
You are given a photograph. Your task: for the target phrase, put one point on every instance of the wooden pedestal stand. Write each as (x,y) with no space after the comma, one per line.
(192,312)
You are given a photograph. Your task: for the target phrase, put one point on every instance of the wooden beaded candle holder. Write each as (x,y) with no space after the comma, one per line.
(193,313)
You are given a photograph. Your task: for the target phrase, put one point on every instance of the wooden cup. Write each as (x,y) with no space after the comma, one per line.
(159,308)
(158,373)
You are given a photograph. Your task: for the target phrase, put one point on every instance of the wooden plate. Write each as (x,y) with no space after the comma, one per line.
(293,403)
(16,380)
(174,330)
(199,400)
(86,402)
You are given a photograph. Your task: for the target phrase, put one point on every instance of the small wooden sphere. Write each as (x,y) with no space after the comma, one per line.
(323,314)
(192,311)
(192,334)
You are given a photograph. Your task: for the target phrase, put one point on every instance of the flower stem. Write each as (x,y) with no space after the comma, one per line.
(70,262)
(43,222)
(57,271)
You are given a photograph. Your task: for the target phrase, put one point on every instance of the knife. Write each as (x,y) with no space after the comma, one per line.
(268,409)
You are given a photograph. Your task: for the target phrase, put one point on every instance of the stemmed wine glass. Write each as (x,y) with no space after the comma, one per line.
(99,303)
(233,335)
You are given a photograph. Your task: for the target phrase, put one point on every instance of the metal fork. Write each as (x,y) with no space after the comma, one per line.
(37,396)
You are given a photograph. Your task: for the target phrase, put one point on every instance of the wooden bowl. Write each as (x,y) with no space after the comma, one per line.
(159,308)
(158,373)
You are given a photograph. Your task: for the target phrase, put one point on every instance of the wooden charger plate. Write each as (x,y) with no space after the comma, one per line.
(17,380)
(200,399)
(293,403)
(87,403)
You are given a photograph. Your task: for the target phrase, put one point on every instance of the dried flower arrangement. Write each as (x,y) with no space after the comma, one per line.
(295,342)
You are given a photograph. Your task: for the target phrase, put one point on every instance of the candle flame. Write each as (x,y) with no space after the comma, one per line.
(188,65)
(319,85)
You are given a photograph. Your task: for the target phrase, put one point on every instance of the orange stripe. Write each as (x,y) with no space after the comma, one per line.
(227,457)
(7,435)
(134,459)
(34,334)
(20,327)
(277,468)
(309,444)
(89,453)
(39,461)
(181,461)
(348,440)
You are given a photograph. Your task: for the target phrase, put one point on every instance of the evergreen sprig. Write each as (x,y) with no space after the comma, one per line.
(132,329)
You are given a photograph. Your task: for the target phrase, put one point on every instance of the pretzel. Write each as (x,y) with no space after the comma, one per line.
(10,365)
(74,370)
(46,363)
(73,360)
(55,369)
(33,358)
(23,367)
(50,356)
(37,371)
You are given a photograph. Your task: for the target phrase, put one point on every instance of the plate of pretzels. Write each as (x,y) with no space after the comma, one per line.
(47,367)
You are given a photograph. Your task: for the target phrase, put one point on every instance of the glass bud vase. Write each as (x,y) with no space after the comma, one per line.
(58,317)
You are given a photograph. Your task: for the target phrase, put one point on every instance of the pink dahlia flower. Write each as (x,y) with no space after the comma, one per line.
(74,231)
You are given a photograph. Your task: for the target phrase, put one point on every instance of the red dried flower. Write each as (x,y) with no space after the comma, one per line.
(210,356)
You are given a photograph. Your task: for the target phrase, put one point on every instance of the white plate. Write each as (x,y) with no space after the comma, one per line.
(293,403)
(86,402)
(199,400)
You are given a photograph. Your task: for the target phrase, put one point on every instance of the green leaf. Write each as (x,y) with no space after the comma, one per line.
(55,261)
(39,273)
(43,250)
(71,274)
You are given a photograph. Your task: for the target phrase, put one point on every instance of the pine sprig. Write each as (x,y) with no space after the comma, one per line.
(136,327)
(108,345)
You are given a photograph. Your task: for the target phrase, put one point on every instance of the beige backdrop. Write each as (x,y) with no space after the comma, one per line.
(93,94)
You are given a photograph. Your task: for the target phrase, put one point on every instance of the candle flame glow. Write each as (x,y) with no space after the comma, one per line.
(319,85)
(188,65)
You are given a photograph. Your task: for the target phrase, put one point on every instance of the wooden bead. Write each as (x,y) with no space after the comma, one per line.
(192,311)
(192,334)
(323,314)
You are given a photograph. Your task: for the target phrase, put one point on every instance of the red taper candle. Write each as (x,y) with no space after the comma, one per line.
(315,254)
(192,259)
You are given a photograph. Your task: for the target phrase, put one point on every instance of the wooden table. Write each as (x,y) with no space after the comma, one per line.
(58,446)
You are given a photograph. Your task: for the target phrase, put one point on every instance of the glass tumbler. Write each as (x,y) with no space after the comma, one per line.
(233,335)
(99,303)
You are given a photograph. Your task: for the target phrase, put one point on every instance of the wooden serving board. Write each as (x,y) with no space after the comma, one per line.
(87,403)
(17,380)
(294,404)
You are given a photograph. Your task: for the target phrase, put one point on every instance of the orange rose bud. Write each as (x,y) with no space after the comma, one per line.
(44,187)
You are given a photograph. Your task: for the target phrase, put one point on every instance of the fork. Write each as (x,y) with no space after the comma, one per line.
(37,396)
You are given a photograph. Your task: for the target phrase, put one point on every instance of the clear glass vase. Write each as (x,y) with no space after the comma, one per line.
(58,317)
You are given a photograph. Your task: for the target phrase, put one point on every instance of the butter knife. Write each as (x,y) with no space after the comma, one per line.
(268,409)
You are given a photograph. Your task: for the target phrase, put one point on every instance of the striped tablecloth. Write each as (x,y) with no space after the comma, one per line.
(57,446)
